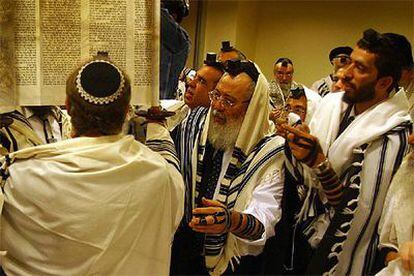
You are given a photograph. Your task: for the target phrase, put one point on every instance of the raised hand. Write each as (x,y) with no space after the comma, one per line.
(304,146)
(213,218)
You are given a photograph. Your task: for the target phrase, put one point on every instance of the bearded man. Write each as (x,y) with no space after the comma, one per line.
(283,81)
(100,203)
(233,173)
(282,84)
(356,143)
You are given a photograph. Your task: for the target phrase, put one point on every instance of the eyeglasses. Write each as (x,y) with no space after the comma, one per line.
(343,59)
(199,80)
(214,95)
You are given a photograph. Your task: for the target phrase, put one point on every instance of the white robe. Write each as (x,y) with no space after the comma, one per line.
(397,220)
(101,206)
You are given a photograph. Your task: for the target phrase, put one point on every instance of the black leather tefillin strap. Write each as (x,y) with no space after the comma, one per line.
(4,174)
(311,157)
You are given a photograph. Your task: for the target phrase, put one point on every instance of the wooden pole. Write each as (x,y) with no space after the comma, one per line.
(156,14)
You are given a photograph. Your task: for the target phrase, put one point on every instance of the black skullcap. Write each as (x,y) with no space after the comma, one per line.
(226,46)
(284,61)
(342,50)
(100,79)
(211,60)
(100,82)
(402,47)
(235,67)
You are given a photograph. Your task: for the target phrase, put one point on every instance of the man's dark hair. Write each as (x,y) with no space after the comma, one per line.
(179,8)
(403,48)
(297,92)
(285,61)
(387,60)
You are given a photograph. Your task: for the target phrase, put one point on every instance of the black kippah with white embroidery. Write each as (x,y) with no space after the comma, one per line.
(100,82)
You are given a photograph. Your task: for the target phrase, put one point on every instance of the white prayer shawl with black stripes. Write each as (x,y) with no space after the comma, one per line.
(187,135)
(323,86)
(18,135)
(254,152)
(313,101)
(365,157)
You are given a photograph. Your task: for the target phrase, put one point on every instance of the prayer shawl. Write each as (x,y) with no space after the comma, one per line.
(313,100)
(18,135)
(89,206)
(365,157)
(397,220)
(323,86)
(60,116)
(255,150)
(409,90)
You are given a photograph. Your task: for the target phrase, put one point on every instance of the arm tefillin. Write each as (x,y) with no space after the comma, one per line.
(247,226)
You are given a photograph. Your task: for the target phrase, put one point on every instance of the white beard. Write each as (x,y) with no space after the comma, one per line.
(224,136)
(285,88)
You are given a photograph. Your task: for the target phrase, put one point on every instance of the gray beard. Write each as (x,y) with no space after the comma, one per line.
(224,137)
(285,89)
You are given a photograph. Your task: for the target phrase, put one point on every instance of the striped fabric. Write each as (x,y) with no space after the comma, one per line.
(365,157)
(237,176)
(166,149)
(255,149)
(18,135)
(323,89)
(323,86)
(185,139)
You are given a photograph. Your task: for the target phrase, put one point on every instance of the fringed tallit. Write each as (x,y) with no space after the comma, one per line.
(365,157)
(253,150)
(19,134)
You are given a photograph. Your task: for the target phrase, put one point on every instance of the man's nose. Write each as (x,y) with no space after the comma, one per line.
(285,77)
(345,73)
(217,105)
(192,83)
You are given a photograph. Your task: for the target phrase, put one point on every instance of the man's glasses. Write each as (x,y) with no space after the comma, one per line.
(343,59)
(200,80)
(226,102)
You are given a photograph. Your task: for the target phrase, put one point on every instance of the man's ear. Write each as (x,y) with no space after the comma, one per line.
(385,83)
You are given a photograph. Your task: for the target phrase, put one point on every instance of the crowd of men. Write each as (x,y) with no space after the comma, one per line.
(258,178)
